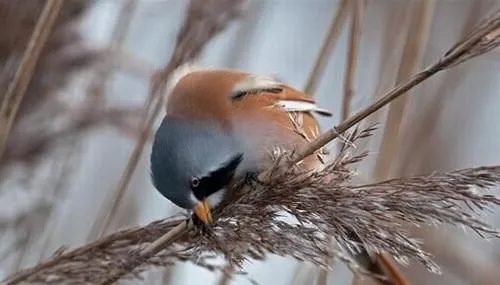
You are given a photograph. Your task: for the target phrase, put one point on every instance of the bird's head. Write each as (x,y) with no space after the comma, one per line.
(192,163)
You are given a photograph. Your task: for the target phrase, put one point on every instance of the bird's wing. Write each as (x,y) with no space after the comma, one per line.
(281,96)
(300,106)
(284,115)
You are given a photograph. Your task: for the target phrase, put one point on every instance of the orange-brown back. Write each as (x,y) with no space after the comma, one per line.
(236,99)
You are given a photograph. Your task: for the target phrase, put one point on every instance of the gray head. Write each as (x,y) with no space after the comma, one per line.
(192,161)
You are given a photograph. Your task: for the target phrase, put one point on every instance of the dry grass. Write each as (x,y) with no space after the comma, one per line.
(11,101)
(324,204)
(26,108)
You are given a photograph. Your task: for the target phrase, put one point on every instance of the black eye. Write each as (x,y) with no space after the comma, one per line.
(195,182)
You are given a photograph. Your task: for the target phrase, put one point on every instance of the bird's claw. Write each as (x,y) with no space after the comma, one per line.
(251,177)
(199,225)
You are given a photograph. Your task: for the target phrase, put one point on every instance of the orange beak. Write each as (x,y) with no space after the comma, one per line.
(203,212)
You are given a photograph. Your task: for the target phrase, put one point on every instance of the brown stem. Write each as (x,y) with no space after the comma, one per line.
(151,250)
(352,55)
(57,259)
(227,275)
(417,37)
(326,49)
(97,85)
(356,24)
(451,58)
(17,88)
(111,206)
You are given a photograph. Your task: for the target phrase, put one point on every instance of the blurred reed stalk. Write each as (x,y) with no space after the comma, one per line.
(416,41)
(97,86)
(18,86)
(326,49)
(462,258)
(317,73)
(357,14)
(417,35)
(390,55)
(40,50)
(43,59)
(416,138)
(356,26)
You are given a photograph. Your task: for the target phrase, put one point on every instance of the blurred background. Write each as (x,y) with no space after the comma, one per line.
(79,122)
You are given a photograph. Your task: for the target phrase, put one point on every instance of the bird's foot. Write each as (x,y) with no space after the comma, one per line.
(251,177)
(199,225)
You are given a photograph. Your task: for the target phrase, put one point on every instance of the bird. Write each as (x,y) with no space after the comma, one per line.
(222,124)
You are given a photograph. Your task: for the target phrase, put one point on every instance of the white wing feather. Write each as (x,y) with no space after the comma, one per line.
(301,106)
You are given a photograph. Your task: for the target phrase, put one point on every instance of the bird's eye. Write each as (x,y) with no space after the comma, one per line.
(195,182)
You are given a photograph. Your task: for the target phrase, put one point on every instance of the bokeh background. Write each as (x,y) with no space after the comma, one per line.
(80,119)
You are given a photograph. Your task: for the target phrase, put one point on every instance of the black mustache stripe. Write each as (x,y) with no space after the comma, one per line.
(217,179)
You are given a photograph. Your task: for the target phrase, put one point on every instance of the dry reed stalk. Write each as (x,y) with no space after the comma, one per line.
(96,88)
(97,85)
(357,11)
(34,144)
(395,276)
(42,104)
(129,63)
(64,54)
(477,42)
(121,236)
(30,137)
(375,212)
(148,252)
(389,57)
(416,136)
(471,266)
(69,160)
(456,254)
(227,275)
(18,86)
(204,20)
(326,49)
(417,37)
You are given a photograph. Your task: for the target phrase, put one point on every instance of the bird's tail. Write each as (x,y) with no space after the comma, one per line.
(382,265)
(379,265)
